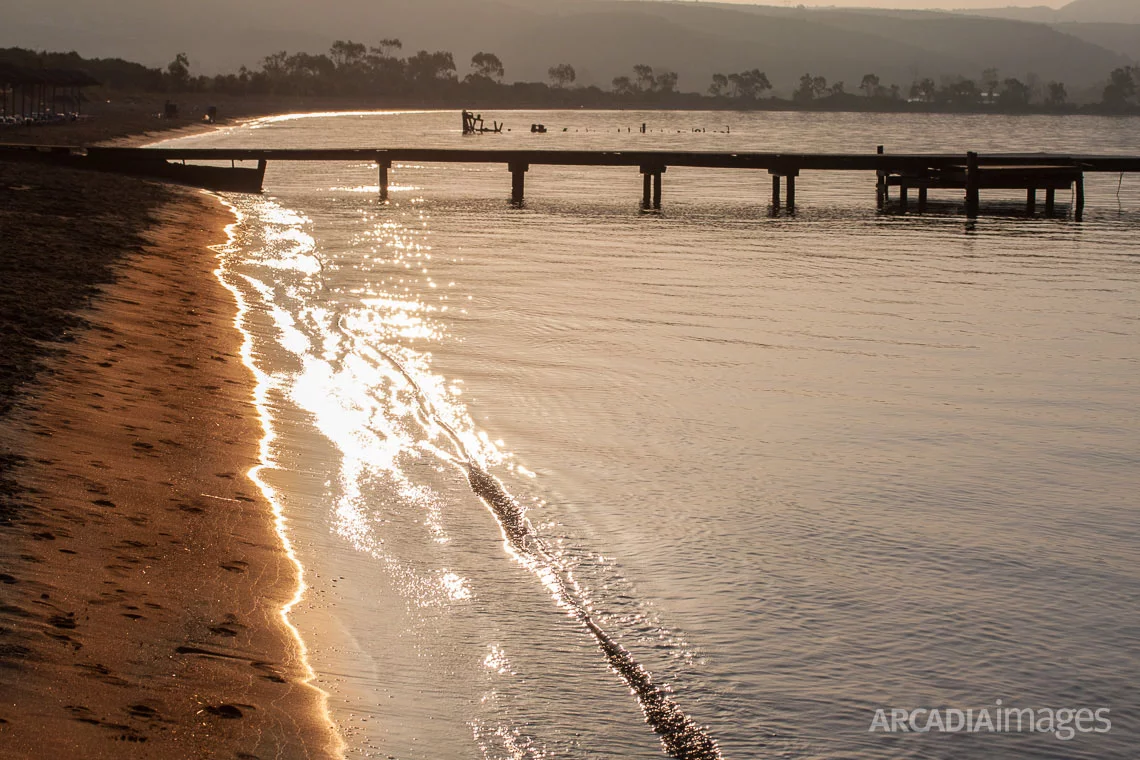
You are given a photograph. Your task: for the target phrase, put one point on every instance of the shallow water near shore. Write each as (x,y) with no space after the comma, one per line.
(577,481)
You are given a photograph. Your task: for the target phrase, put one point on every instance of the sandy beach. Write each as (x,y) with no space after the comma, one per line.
(141,574)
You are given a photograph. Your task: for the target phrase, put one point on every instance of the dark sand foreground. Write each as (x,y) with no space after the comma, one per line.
(141,576)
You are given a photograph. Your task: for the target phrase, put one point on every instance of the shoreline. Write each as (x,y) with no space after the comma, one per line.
(144,578)
(132,129)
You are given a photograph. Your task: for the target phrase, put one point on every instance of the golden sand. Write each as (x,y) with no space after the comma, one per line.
(141,576)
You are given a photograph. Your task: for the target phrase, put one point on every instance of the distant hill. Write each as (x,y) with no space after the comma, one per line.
(1078,11)
(1119,38)
(601,38)
(1104,11)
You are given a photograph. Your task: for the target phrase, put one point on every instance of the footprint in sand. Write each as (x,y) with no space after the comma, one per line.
(228,711)
(67,622)
(229,626)
(270,671)
(146,712)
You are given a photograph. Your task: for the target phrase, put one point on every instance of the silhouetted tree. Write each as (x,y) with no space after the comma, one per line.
(1014,94)
(273,68)
(347,54)
(990,81)
(624,86)
(666,82)
(561,75)
(350,59)
(488,66)
(718,86)
(310,74)
(1056,94)
(388,46)
(960,92)
(870,85)
(645,78)
(749,85)
(838,88)
(924,90)
(386,71)
(1121,88)
(178,73)
(810,88)
(425,67)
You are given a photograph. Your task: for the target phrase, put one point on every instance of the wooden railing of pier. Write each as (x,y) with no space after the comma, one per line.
(971,172)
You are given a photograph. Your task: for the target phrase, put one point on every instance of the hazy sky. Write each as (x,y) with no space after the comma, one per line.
(916,4)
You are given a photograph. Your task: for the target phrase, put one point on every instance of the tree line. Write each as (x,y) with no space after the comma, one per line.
(351,68)
(382,71)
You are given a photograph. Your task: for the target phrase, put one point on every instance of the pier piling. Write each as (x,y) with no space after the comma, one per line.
(881,183)
(1031,200)
(1050,201)
(382,170)
(973,184)
(518,179)
(789,175)
(651,186)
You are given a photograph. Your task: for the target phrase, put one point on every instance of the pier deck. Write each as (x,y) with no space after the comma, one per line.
(970,171)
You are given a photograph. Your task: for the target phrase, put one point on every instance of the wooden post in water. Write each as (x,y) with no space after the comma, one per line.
(1080,210)
(922,193)
(1050,201)
(651,186)
(382,169)
(973,184)
(881,184)
(904,200)
(775,191)
(518,177)
(1031,200)
(790,179)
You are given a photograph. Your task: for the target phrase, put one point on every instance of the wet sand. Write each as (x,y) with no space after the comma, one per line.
(141,575)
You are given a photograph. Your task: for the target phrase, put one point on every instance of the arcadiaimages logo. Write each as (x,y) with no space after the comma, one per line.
(1063,723)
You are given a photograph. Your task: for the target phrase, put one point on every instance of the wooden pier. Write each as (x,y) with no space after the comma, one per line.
(970,172)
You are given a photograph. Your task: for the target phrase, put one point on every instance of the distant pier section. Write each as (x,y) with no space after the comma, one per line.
(908,175)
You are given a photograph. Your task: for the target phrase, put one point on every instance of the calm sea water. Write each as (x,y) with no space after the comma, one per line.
(576,481)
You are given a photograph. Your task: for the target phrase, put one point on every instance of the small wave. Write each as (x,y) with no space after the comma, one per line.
(681,736)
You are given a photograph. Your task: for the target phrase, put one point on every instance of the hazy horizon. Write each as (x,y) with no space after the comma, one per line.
(941,5)
(604,39)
